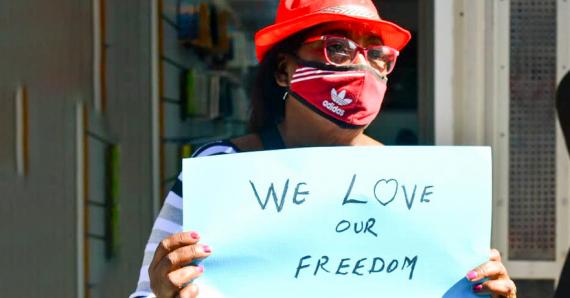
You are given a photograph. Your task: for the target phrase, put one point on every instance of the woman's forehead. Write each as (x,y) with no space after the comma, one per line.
(351,30)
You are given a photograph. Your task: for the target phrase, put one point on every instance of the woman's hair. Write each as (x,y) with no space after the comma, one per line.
(267,104)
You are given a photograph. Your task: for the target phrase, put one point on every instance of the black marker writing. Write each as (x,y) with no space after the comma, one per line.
(280,201)
(346,200)
(343,266)
(359,226)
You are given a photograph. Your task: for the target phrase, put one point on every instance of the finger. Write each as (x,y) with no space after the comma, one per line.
(178,278)
(490,269)
(495,255)
(497,288)
(190,291)
(183,256)
(171,243)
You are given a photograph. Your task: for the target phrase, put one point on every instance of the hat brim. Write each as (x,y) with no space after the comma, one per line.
(392,35)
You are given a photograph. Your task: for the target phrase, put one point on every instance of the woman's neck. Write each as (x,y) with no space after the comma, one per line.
(302,127)
(304,133)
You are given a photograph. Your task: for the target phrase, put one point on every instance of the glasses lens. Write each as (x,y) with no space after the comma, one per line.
(382,58)
(339,51)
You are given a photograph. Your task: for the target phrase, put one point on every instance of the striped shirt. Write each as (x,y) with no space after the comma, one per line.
(169,220)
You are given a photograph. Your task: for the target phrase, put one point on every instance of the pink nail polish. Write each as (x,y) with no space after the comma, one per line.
(200,268)
(477,288)
(194,235)
(471,275)
(206,249)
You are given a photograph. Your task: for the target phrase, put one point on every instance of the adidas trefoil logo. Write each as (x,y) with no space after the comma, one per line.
(339,97)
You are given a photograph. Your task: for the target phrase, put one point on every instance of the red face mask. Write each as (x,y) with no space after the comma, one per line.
(350,96)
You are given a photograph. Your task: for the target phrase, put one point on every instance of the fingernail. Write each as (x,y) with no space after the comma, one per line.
(477,288)
(194,235)
(471,275)
(200,268)
(206,249)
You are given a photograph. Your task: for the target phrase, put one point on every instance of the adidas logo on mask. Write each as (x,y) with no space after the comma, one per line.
(339,99)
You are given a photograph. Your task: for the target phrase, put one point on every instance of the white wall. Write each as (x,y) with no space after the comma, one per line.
(471,81)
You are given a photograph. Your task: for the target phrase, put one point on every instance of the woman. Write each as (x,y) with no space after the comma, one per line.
(322,78)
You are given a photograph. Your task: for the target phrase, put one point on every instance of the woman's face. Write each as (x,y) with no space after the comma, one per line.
(358,33)
(313,51)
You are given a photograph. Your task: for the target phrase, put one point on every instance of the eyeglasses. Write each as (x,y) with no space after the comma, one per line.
(343,51)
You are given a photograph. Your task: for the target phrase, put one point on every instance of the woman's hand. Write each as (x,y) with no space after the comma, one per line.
(499,284)
(168,270)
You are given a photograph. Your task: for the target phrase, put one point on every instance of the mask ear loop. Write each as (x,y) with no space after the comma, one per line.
(284,98)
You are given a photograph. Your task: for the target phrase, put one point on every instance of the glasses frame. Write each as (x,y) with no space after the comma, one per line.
(358,49)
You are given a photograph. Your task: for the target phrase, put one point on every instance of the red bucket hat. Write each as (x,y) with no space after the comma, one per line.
(296,15)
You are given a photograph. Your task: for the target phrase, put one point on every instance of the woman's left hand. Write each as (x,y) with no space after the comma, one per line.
(498,282)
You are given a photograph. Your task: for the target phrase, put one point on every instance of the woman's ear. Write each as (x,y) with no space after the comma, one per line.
(284,70)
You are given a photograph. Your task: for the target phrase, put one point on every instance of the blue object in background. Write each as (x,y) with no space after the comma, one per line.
(187,21)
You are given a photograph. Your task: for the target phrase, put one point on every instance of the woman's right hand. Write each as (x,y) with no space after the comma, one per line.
(168,271)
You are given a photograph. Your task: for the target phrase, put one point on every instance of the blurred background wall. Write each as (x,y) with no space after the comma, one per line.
(46,54)
(53,149)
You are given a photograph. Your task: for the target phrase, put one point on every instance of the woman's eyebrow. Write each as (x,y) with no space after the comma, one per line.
(336,32)
(375,39)
(370,38)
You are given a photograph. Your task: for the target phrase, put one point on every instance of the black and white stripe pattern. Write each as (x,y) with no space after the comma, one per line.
(169,220)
